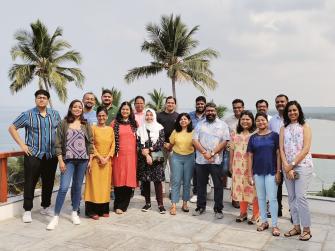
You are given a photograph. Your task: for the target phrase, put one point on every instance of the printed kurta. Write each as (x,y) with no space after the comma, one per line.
(241,190)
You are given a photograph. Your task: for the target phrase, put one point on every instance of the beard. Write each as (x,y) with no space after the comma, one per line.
(210,118)
(199,110)
(88,106)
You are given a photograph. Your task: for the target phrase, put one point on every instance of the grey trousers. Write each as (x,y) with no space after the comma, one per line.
(297,200)
(167,164)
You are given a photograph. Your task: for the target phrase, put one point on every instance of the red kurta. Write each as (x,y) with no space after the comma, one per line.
(125,161)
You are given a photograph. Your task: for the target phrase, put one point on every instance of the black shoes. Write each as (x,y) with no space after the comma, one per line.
(161,210)
(146,207)
(198,211)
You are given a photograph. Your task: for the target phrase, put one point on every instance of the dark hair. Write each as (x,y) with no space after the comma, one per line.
(239,128)
(170,97)
(104,91)
(42,92)
(211,104)
(261,114)
(139,97)
(200,98)
(282,95)
(177,125)
(70,118)
(86,93)
(132,120)
(237,100)
(102,109)
(301,118)
(262,101)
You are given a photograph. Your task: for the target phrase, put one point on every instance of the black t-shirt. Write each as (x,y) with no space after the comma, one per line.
(167,120)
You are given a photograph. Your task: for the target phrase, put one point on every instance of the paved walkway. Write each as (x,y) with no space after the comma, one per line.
(136,230)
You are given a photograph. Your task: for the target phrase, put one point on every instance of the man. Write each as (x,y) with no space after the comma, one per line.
(107,101)
(210,139)
(232,121)
(139,109)
(276,122)
(40,124)
(167,119)
(89,113)
(263,106)
(197,116)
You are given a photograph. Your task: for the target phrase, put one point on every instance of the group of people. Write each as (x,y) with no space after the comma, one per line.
(119,149)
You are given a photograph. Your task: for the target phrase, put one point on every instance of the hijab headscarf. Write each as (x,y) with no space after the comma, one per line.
(153,127)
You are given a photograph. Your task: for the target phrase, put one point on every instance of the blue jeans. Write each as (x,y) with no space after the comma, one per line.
(266,187)
(181,171)
(75,171)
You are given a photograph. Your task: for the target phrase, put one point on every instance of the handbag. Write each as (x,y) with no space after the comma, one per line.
(158,156)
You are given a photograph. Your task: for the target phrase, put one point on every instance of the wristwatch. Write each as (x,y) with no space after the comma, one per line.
(212,154)
(203,152)
(293,163)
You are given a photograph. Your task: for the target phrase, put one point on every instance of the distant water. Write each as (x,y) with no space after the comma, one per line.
(323,142)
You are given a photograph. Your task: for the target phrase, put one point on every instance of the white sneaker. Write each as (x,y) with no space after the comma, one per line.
(75,218)
(194,199)
(53,223)
(26,217)
(47,211)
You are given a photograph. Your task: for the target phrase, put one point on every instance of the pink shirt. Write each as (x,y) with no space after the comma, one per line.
(139,117)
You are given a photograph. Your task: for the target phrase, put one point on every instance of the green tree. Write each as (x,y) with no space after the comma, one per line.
(117,94)
(220,109)
(42,55)
(157,100)
(170,46)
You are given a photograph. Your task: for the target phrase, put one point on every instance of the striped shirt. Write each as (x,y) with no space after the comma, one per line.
(40,131)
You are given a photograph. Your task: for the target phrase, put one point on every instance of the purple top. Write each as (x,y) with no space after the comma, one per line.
(75,145)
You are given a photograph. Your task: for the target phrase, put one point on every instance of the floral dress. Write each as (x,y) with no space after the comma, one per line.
(241,190)
(154,172)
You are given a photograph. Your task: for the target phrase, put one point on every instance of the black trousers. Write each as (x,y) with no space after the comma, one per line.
(280,193)
(194,181)
(122,197)
(203,172)
(158,191)
(34,168)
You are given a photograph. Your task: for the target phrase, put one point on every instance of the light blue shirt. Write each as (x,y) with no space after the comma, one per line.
(91,117)
(195,119)
(210,135)
(276,123)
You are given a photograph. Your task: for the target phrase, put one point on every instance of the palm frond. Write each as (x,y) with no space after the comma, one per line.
(146,71)
(69,56)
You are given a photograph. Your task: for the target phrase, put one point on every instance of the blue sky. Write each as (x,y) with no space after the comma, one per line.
(266,47)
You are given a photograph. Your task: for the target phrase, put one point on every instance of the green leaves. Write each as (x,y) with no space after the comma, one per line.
(170,44)
(42,54)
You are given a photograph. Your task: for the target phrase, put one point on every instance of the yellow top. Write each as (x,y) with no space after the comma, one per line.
(182,142)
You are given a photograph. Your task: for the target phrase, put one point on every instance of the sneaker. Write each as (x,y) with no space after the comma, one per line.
(161,210)
(146,207)
(75,218)
(219,214)
(194,199)
(47,211)
(198,211)
(53,223)
(26,217)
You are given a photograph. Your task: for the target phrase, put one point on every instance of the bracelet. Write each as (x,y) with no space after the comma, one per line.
(203,152)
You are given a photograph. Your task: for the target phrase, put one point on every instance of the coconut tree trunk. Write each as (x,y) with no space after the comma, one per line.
(174,87)
(47,89)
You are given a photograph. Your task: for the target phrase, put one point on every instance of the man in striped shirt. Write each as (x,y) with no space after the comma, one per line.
(40,125)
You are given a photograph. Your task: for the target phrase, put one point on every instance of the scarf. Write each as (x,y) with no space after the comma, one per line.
(153,127)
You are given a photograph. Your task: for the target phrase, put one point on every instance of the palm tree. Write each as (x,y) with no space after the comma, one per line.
(157,100)
(43,57)
(170,46)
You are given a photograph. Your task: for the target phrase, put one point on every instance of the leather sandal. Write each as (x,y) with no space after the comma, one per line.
(173,210)
(185,209)
(305,236)
(292,232)
(241,218)
(263,227)
(253,220)
(275,231)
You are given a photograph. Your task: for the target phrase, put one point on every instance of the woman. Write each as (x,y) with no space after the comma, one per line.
(182,160)
(99,175)
(74,149)
(295,143)
(125,157)
(264,167)
(150,166)
(242,191)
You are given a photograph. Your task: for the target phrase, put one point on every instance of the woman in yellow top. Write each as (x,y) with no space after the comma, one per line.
(182,161)
(99,176)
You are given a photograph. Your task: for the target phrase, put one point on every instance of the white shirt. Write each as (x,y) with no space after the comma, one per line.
(276,122)
(232,122)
